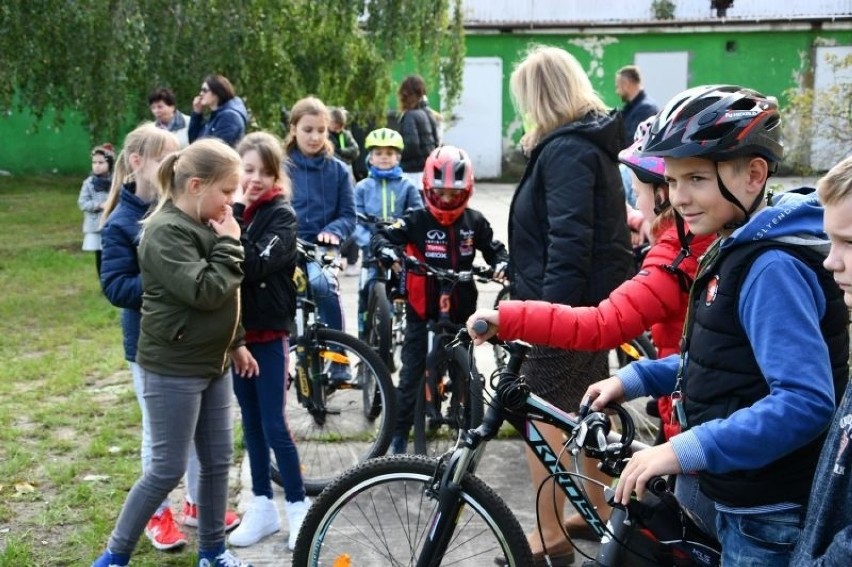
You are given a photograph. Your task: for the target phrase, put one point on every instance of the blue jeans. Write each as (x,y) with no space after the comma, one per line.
(262,404)
(759,540)
(700,507)
(324,288)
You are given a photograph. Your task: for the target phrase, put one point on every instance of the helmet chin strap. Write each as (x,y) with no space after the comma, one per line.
(726,193)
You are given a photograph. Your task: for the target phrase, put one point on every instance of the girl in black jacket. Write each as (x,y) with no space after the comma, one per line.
(269,301)
(418,128)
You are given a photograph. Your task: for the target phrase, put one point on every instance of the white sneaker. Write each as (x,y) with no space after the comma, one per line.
(259,521)
(296,512)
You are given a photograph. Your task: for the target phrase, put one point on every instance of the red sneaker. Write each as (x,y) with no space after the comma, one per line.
(163,532)
(190,517)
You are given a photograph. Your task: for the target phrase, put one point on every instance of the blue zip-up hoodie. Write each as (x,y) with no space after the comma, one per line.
(780,303)
(385,199)
(322,195)
(227,122)
(121,281)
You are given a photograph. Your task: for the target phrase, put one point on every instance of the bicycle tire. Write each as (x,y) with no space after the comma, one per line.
(378,327)
(638,348)
(347,434)
(379,514)
(460,410)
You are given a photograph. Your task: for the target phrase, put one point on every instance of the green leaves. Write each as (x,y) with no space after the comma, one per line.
(100,59)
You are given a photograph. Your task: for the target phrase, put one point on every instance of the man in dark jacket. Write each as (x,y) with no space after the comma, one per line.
(637,104)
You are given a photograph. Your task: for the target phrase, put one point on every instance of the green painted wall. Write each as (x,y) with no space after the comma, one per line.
(28,146)
(769,61)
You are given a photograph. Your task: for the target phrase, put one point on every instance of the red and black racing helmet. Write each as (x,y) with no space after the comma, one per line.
(447,183)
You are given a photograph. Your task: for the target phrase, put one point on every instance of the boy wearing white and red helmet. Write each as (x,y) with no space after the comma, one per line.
(447,235)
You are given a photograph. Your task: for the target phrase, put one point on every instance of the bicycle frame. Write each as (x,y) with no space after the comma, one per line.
(308,371)
(513,403)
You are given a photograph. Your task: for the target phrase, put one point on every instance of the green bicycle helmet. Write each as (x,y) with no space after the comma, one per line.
(384,138)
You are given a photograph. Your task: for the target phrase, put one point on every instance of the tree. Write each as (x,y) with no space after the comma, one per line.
(101,58)
(818,122)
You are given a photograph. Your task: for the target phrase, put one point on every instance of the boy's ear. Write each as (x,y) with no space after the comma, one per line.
(758,173)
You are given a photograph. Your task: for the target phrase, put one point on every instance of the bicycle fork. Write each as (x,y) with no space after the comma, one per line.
(450,504)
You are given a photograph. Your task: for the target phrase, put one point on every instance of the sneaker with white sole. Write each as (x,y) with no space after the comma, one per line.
(223,559)
(190,517)
(296,512)
(260,520)
(163,531)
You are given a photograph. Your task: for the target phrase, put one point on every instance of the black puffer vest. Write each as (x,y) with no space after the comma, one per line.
(723,375)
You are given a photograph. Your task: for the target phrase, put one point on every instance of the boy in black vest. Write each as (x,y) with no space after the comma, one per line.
(765,344)
(827,537)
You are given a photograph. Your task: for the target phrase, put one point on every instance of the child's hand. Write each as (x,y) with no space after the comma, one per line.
(328,238)
(244,363)
(654,461)
(227,226)
(601,393)
(490,316)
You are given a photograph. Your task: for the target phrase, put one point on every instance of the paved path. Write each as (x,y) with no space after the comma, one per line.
(504,466)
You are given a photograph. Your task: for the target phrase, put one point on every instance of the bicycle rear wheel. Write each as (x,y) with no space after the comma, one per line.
(380,512)
(358,415)
(443,408)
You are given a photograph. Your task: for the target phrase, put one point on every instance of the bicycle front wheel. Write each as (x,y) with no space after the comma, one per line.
(358,412)
(380,513)
(379,323)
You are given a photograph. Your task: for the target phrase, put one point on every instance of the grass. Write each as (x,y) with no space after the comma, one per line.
(69,421)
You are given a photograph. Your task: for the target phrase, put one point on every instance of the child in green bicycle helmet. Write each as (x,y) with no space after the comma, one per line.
(384,195)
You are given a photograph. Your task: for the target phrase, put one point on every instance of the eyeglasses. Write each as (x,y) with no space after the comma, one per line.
(205,89)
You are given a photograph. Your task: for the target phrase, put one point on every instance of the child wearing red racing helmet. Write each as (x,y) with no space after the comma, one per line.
(446,234)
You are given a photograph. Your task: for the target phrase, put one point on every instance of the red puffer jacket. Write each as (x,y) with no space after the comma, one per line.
(653,299)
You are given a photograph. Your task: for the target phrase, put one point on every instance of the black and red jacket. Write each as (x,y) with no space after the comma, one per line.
(447,247)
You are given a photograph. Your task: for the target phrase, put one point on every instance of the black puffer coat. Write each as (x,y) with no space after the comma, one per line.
(568,235)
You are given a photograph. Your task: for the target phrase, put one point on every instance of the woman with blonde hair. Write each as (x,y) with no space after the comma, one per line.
(568,241)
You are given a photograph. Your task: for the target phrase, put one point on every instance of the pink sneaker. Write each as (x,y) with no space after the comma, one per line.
(163,532)
(190,517)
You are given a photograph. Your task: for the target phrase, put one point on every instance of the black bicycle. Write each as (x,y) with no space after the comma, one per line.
(384,326)
(341,403)
(450,398)
(414,510)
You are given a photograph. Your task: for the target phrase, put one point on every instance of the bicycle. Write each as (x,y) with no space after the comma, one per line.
(328,413)
(384,326)
(450,397)
(414,510)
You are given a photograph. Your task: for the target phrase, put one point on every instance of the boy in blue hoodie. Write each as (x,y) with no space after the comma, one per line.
(384,195)
(765,344)
(827,537)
